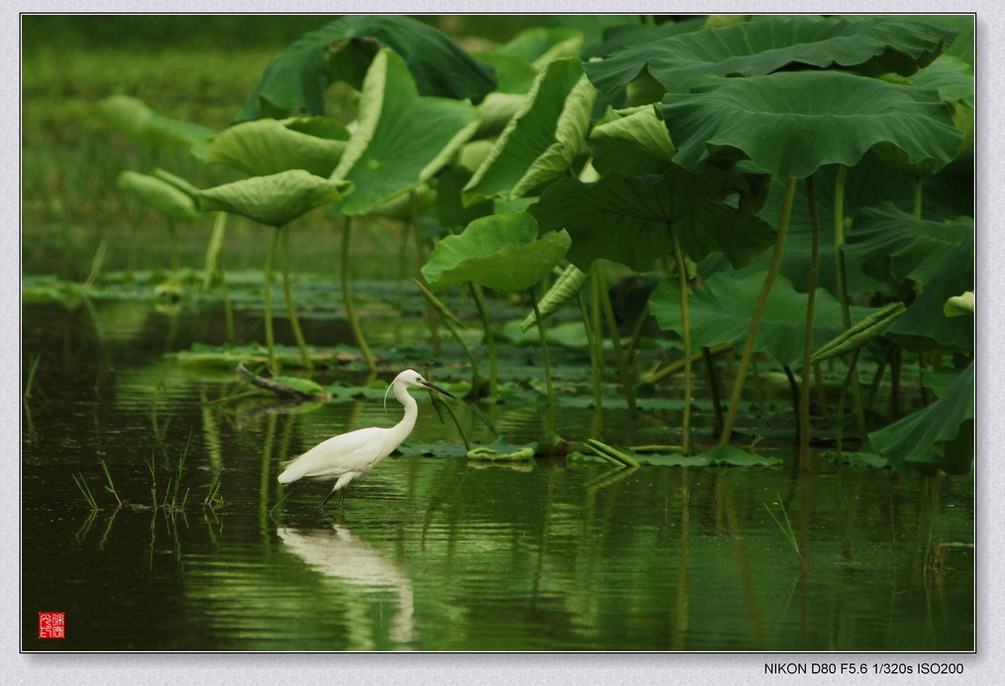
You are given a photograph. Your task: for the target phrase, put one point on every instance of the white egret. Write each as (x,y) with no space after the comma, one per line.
(350,455)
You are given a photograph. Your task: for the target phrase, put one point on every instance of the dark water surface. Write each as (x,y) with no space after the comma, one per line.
(441,553)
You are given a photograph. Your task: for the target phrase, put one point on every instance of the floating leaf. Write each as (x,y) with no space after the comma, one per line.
(501,251)
(724,455)
(628,219)
(402,139)
(274,200)
(939,436)
(791,123)
(164,197)
(543,137)
(874,46)
(295,82)
(268,146)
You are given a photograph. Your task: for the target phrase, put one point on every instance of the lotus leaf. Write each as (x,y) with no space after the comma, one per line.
(874,46)
(791,123)
(891,244)
(295,81)
(268,146)
(628,219)
(543,137)
(940,435)
(164,197)
(720,313)
(501,251)
(402,138)
(274,200)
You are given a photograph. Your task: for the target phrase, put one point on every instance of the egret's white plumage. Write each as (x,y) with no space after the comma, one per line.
(347,456)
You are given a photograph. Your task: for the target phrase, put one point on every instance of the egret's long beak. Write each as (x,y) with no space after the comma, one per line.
(439,390)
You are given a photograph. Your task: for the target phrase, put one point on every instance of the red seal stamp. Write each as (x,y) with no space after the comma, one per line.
(52,625)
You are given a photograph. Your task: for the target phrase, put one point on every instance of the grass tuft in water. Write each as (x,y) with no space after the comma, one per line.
(85,490)
(110,486)
(787,529)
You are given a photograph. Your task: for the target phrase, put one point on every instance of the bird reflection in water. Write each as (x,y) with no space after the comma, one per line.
(343,556)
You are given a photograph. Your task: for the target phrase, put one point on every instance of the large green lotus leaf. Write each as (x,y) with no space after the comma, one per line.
(924,326)
(540,45)
(874,46)
(939,436)
(143,126)
(633,141)
(402,138)
(514,75)
(268,146)
(791,123)
(594,27)
(542,138)
(161,195)
(501,251)
(951,76)
(627,219)
(889,243)
(720,313)
(496,111)
(274,200)
(295,82)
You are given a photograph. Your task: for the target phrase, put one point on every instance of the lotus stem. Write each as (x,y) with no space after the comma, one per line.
(420,253)
(598,398)
(546,357)
(755,320)
(350,308)
(713,386)
(270,336)
(811,299)
(291,309)
(686,336)
(619,351)
(490,341)
(842,284)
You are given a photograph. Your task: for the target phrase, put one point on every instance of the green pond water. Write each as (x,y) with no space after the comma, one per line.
(436,552)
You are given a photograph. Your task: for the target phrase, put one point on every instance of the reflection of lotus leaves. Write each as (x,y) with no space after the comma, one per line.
(340,554)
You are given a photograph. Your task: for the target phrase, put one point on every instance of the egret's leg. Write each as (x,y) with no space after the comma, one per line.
(329,496)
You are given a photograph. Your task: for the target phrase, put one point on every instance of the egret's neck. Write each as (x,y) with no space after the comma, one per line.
(411,408)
